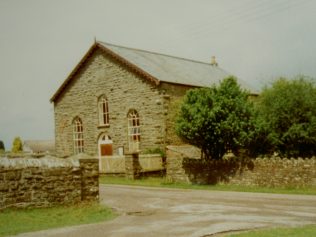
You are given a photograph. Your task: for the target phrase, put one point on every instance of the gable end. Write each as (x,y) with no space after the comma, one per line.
(113,55)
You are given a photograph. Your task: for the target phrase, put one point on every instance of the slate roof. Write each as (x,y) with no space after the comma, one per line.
(160,68)
(171,69)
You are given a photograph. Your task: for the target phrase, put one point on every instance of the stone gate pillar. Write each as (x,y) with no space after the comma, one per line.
(132,166)
(89,179)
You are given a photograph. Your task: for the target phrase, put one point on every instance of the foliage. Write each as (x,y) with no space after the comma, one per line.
(14,221)
(216,119)
(2,148)
(288,110)
(2,145)
(17,145)
(261,139)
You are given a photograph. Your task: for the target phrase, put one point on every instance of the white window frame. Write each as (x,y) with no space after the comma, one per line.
(104,115)
(133,127)
(78,136)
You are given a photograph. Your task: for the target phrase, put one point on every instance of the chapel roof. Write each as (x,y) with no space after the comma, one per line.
(158,68)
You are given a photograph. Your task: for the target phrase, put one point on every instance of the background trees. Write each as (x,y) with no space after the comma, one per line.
(17,145)
(221,119)
(2,148)
(289,111)
(216,119)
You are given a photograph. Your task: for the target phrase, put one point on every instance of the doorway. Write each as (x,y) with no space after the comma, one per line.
(105,145)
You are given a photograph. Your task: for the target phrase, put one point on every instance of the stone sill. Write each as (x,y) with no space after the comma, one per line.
(104,126)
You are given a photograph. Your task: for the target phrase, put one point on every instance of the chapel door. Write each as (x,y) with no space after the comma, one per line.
(105,146)
(106,149)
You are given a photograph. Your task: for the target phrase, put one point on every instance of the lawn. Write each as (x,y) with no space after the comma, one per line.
(164,183)
(13,221)
(305,231)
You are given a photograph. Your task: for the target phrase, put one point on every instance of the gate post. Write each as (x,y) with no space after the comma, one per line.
(132,165)
(89,178)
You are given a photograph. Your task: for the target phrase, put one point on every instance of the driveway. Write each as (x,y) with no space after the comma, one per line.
(174,212)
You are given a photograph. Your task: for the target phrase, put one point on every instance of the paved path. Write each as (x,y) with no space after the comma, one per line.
(173,212)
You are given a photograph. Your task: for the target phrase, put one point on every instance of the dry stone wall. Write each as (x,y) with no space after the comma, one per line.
(263,172)
(30,182)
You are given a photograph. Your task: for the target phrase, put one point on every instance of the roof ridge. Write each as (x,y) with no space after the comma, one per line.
(162,54)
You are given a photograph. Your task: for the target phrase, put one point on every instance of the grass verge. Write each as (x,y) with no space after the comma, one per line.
(305,231)
(163,182)
(15,221)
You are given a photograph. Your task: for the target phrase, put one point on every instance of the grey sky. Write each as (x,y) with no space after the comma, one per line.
(41,41)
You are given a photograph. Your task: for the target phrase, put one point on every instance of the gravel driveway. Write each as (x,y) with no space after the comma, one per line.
(174,212)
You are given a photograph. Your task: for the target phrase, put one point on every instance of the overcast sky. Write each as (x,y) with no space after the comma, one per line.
(41,41)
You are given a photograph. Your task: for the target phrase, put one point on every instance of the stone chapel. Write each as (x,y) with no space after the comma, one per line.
(119,99)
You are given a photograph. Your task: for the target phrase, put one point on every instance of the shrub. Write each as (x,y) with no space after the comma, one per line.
(2,148)
(288,110)
(217,119)
(17,145)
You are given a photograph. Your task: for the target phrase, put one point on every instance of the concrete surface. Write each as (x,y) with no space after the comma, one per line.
(173,212)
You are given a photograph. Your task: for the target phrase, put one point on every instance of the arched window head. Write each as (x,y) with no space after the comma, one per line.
(133,130)
(78,136)
(103,108)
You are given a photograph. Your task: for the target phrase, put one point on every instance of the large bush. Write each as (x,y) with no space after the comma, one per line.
(217,119)
(288,110)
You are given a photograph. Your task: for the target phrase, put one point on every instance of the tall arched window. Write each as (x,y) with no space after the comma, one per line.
(133,130)
(103,111)
(78,136)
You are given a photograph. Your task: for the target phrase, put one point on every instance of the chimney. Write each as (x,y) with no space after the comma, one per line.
(213,61)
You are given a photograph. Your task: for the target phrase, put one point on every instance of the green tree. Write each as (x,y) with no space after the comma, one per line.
(2,148)
(216,119)
(17,145)
(289,110)
(261,140)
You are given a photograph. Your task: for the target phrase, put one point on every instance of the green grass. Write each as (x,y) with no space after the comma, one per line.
(15,221)
(163,183)
(305,231)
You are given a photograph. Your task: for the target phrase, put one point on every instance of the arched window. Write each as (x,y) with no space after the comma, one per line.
(78,136)
(133,130)
(103,111)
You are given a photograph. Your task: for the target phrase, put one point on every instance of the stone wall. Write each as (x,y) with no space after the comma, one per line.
(263,172)
(89,179)
(30,182)
(173,102)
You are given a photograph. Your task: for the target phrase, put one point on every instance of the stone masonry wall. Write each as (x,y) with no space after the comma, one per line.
(263,172)
(30,182)
(124,90)
(175,94)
